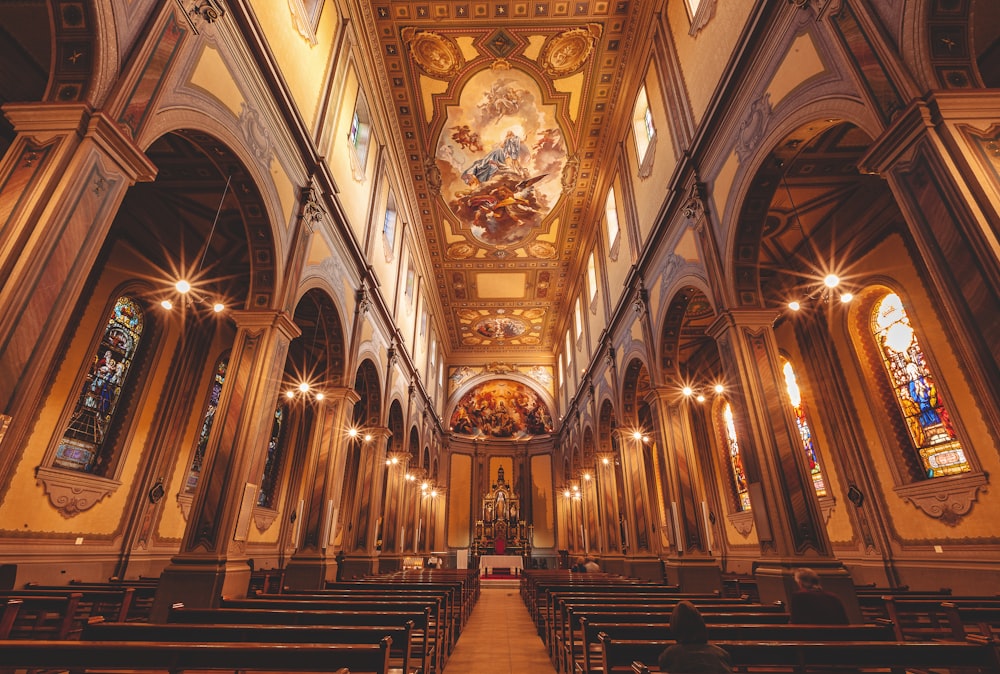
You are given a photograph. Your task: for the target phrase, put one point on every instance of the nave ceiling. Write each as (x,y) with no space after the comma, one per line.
(510,114)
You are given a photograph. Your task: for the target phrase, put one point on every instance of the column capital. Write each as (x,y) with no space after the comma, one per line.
(341,394)
(754,318)
(267,318)
(45,120)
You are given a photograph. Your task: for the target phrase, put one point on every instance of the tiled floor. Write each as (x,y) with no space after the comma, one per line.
(500,638)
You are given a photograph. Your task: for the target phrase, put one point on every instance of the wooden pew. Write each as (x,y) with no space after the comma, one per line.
(109,603)
(175,657)
(47,616)
(562,605)
(590,651)
(400,657)
(450,610)
(422,649)
(438,632)
(564,632)
(618,655)
(968,619)
(926,619)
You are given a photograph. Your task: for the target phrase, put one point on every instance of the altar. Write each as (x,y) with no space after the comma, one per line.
(501,533)
(489,562)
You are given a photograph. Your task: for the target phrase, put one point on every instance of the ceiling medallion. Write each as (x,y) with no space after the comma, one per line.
(567,51)
(436,55)
(500,327)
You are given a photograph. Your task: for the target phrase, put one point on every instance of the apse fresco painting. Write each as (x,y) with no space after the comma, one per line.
(501,409)
(501,155)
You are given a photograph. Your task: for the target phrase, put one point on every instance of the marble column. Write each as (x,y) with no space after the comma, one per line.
(365,517)
(61,183)
(783,501)
(313,563)
(690,563)
(212,561)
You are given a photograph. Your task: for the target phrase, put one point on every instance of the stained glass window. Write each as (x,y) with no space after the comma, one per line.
(735,460)
(84,445)
(916,392)
(206,424)
(272,464)
(795,397)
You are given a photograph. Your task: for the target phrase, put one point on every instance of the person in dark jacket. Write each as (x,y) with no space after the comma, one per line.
(692,654)
(812,605)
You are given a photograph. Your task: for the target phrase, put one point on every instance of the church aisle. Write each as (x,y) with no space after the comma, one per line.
(499,638)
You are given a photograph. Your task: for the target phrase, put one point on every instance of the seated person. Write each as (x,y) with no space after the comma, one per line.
(591,565)
(692,654)
(812,605)
(434,562)
(579,565)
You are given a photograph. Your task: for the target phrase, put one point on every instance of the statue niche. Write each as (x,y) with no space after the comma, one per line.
(501,531)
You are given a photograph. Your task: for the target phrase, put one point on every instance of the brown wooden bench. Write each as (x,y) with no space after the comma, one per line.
(562,605)
(422,649)
(969,619)
(58,616)
(589,659)
(142,592)
(174,657)
(436,628)
(401,660)
(927,619)
(565,632)
(619,655)
(450,610)
(109,603)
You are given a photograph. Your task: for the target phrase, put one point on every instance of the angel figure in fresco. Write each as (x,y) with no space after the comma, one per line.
(467,138)
(502,100)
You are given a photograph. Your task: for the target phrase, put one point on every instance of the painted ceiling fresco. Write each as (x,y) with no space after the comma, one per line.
(503,108)
(501,409)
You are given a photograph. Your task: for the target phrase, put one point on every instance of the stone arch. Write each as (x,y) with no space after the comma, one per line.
(320,348)
(817,162)
(687,353)
(368,409)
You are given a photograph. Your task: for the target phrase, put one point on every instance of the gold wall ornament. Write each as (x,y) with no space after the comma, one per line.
(438,56)
(567,51)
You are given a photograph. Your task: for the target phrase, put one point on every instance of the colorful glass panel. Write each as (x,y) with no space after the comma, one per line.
(272,464)
(795,397)
(84,446)
(206,424)
(916,392)
(735,459)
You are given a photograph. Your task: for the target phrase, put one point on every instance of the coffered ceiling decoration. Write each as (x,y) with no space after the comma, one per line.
(510,114)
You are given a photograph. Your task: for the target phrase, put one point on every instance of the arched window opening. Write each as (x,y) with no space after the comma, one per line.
(915,390)
(272,463)
(798,409)
(86,445)
(735,458)
(214,392)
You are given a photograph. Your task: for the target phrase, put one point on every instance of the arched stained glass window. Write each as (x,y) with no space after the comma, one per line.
(272,464)
(85,445)
(916,392)
(795,397)
(206,424)
(735,459)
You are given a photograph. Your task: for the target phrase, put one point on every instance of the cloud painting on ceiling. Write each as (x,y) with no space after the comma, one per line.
(501,155)
(501,408)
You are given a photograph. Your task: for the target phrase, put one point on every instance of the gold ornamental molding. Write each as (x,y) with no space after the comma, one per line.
(565,53)
(437,55)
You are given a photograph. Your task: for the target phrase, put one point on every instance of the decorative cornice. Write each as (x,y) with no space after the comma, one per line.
(71,492)
(948,499)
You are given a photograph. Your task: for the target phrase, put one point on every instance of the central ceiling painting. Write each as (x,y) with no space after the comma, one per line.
(510,115)
(501,155)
